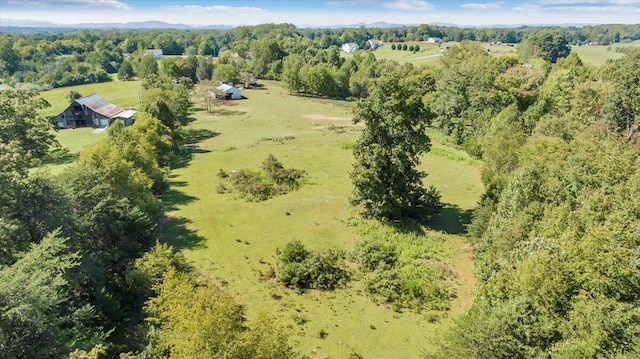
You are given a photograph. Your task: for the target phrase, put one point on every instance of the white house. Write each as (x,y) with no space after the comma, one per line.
(434,40)
(350,47)
(230,92)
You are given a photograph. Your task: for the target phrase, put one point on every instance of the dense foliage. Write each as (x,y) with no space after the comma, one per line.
(557,230)
(301,268)
(404,270)
(386,179)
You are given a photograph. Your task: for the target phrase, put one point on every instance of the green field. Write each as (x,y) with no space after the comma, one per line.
(428,54)
(598,55)
(236,241)
(122,93)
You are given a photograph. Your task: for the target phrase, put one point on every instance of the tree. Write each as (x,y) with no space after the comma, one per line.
(393,46)
(197,320)
(622,109)
(39,317)
(404,47)
(21,124)
(73,95)
(225,73)
(416,48)
(125,72)
(146,66)
(549,45)
(386,180)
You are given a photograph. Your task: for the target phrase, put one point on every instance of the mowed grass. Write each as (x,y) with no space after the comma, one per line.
(428,54)
(237,241)
(122,93)
(599,55)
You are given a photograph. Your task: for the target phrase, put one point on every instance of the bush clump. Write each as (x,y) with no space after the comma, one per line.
(255,186)
(402,272)
(303,269)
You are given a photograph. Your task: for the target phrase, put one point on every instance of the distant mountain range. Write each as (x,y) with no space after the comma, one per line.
(4,23)
(14,23)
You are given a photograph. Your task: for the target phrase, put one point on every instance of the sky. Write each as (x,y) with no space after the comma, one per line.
(324,12)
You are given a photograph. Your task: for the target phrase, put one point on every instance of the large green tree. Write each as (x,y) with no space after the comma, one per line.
(21,124)
(386,179)
(550,45)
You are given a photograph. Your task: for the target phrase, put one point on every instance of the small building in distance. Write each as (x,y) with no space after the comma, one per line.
(157,53)
(350,47)
(93,111)
(434,40)
(374,44)
(227,90)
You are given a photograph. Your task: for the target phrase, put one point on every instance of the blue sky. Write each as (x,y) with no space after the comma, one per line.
(325,12)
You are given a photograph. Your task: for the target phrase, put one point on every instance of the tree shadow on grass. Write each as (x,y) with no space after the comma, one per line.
(452,220)
(173,197)
(60,156)
(195,135)
(175,232)
(181,160)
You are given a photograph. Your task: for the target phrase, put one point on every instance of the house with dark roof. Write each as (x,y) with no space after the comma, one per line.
(93,111)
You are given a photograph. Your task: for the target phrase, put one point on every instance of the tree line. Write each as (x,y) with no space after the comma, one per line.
(64,58)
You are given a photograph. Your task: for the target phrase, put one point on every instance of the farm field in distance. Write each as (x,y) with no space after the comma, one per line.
(237,241)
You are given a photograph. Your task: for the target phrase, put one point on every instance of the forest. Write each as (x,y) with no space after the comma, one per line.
(556,234)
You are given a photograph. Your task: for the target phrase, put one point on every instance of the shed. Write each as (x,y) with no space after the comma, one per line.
(230,92)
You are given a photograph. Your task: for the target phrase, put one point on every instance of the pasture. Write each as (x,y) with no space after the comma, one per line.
(236,241)
(122,93)
(599,54)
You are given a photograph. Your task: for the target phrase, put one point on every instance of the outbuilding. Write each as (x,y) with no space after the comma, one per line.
(93,111)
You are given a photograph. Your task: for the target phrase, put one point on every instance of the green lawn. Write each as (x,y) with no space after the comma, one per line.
(598,55)
(428,54)
(237,241)
(122,93)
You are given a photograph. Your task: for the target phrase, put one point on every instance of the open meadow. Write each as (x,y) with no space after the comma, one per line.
(237,241)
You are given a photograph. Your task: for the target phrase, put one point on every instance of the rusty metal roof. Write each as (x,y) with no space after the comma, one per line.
(99,105)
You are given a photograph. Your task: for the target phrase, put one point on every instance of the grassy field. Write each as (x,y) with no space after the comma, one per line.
(598,55)
(429,53)
(122,93)
(237,241)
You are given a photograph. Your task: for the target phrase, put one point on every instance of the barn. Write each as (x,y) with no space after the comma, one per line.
(93,111)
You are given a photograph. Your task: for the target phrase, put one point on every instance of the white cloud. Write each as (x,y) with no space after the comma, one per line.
(412,5)
(483,6)
(345,3)
(218,8)
(589,6)
(83,4)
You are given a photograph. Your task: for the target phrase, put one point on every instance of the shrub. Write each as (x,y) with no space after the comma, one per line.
(373,254)
(393,46)
(411,48)
(262,185)
(304,269)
